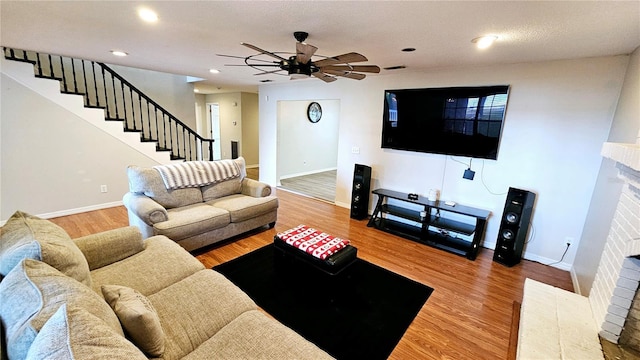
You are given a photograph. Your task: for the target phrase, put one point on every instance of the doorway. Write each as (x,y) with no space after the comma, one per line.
(213,115)
(307,152)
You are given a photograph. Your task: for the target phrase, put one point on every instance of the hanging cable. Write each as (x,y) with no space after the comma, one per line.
(563,254)
(485,184)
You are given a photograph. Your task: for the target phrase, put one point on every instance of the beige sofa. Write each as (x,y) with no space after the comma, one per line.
(200,215)
(114,295)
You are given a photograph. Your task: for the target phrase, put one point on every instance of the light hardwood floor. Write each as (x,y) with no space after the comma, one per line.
(320,185)
(468,316)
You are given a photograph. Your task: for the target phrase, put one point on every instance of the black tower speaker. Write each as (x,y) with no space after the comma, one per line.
(514,226)
(360,192)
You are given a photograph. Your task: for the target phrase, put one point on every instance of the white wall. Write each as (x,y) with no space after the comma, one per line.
(625,129)
(305,147)
(54,162)
(559,114)
(250,129)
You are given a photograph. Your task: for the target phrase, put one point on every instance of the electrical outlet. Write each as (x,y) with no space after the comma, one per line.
(103,188)
(569,240)
(355,150)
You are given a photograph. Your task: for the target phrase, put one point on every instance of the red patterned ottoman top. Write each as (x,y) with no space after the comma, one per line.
(313,242)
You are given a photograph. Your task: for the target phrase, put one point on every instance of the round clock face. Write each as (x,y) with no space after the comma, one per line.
(314,112)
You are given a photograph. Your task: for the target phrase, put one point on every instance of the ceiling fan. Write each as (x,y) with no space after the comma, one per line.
(301,65)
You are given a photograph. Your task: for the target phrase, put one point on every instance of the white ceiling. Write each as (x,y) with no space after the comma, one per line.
(190,34)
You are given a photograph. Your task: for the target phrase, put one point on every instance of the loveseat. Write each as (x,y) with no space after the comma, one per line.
(204,209)
(114,295)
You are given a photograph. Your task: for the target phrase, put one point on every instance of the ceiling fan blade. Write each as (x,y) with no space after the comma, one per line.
(253,47)
(324,77)
(349,75)
(269,65)
(245,57)
(341,59)
(348,68)
(305,52)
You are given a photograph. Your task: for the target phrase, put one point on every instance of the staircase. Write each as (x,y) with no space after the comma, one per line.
(122,103)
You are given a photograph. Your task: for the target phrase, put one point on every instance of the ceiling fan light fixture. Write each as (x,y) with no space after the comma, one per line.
(484,42)
(299,76)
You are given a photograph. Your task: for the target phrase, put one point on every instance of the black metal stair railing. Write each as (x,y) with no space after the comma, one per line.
(103,88)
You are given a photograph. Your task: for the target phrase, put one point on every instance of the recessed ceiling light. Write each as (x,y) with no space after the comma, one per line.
(214,71)
(147,15)
(484,42)
(119,53)
(409,49)
(196,90)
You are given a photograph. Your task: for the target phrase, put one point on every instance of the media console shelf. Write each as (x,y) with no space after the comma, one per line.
(416,227)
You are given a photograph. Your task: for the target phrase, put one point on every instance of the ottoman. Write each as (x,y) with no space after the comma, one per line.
(325,252)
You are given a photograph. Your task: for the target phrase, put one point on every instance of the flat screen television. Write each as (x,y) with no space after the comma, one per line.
(461,121)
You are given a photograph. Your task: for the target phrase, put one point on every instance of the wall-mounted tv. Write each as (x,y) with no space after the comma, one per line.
(462,121)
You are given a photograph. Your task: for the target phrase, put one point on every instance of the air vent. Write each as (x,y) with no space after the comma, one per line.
(397,67)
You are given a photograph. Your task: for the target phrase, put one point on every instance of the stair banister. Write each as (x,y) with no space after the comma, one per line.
(183,142)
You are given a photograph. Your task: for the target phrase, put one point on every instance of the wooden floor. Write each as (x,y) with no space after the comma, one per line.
(320,185)
(468,316)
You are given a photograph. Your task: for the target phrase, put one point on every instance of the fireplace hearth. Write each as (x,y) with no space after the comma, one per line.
(614,294)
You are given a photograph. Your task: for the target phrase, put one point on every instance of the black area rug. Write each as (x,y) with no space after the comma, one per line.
(361,313)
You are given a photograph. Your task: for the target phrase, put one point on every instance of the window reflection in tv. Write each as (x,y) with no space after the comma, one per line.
(462,121)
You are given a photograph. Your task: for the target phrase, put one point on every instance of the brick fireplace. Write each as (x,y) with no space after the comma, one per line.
(616,283)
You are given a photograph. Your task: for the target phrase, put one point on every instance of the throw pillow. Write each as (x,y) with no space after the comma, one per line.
(77,334)
(27,236)
(138,317)
(32,292)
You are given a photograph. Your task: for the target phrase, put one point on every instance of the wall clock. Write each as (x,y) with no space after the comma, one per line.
(314,112)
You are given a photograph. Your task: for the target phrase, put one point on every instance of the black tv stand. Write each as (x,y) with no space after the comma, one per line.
(443,232)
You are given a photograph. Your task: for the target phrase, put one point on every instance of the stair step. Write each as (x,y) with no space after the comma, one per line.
(72,92)
(144,139)
(97,107)
(132,130)
(113,119)
(48,77)
(32,62)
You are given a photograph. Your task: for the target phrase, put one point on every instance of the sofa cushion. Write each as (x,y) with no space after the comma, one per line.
(148,181)
(138,318)
(28,236)
(192,220)
(207,303)
(242,207)
(229,187)
(110,246)
(224,188)
(162,263)
(32,292)
(77,334)
(253,335)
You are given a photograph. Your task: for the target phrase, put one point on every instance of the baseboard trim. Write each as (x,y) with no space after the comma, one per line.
(79,210)
(575,281)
